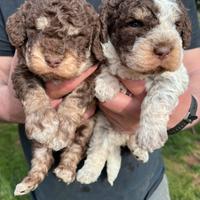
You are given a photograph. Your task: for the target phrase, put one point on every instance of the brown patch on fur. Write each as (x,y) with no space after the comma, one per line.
(23,80)
(72,156)
(115,16)
(15,27)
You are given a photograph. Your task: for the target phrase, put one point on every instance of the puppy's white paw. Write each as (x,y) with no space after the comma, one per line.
(24,188)
(105,90)
(66,175)
(141,155)
(85,176)
(150,140)
(42,125)
(111,180)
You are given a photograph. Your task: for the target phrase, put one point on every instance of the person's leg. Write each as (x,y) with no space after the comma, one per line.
(162,191)
(33,196)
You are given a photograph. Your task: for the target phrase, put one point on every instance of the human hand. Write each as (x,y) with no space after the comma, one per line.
(124,111)
(57,89)
(11,108)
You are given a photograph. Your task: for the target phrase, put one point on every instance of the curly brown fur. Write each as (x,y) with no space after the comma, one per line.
(72,156)
(40,165)
(115,14)
(56,40)
(57,24)
(71,112)
(52,43)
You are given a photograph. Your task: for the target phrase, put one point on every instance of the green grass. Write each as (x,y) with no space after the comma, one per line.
(182,159)
(12,163)
(181,155)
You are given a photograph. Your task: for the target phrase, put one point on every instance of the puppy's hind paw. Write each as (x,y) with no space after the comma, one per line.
(66,175)
(24,188)
(111,180)
(86,176)
(141,155)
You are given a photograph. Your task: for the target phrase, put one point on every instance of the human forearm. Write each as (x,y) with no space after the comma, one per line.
(4,69)
(11,109)
(191,61)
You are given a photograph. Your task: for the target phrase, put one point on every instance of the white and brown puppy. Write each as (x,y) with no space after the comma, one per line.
(56,40)
(142,40)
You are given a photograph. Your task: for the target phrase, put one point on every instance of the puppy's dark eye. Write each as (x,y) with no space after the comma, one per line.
(136,24)
(177,23)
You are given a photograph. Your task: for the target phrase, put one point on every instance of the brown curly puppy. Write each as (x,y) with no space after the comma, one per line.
(55,40)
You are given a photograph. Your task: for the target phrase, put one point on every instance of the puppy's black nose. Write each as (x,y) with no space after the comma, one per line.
(162,51)
(53,62)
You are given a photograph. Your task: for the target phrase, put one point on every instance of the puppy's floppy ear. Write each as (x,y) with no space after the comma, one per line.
(97,49)
(184,26)
(15,27)
(108,15)
(104,14)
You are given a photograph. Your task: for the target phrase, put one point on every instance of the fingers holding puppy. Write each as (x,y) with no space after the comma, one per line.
(58,89)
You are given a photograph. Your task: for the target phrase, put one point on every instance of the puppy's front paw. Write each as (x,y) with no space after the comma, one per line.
(105,91)
(59,143)
(65,174)
(86,176)
(65,135)
(42,125)
(150,139)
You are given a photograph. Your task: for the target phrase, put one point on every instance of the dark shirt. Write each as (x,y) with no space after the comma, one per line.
(136,181)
